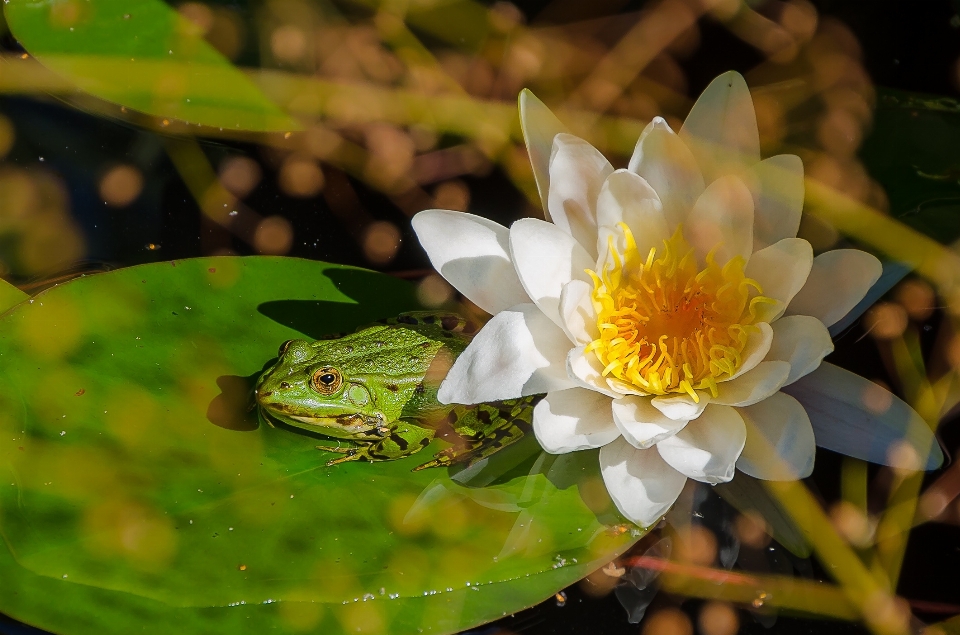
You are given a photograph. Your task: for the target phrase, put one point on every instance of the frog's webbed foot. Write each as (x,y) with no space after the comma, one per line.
(349,452)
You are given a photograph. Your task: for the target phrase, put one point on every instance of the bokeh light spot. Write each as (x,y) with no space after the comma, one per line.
(668,622)
(274,236)
(288,43)
(452,195)
(381,241)
(917,298)
(198,14)
(300,176)
(240,175)
(752,530)
(121,185)
(852,524)
(433,291)
(696,545)
(876,397)
(718,618)
(886,320)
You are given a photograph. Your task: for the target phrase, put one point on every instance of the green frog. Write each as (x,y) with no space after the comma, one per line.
(377,390)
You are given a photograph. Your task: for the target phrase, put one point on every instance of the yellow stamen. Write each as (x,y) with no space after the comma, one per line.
(667,326)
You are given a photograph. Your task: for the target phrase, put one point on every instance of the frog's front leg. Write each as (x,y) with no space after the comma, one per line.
(403,440)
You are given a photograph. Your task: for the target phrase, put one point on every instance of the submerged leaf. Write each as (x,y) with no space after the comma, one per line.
(856,417)
(144,55)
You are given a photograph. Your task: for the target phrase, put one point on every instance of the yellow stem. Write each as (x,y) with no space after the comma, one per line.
(860,587)
(898,517)
(885,234)
(781,592)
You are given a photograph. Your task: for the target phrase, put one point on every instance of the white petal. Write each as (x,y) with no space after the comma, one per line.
(577,172)
(670,168)
(757,385)
(856,417)
(627,198)
(782,268)
(472,253)
(707,449)
(573,419)
(757,347)
(539,126)
(801,340)
(681,407)
(641,484)
(642,425)
(837,282)
(721,129)
(722,218)
(780,443)
(519,352)
(546,258)
(587,372)
(577,315)
(777,198)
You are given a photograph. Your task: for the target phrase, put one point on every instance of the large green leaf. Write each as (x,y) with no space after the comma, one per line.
(10,296)
(143,55)
(136,476)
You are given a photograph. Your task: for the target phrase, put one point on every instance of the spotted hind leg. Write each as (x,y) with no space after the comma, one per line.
(402,441)
(483,430)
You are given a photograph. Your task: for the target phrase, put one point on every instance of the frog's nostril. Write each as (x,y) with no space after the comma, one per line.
(265,393)
(284,384)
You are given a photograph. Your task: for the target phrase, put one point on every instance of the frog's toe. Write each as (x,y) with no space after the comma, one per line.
(438,462)
(443,458)
(353,456)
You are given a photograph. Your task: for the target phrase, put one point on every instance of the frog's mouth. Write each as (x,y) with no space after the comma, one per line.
(347,425)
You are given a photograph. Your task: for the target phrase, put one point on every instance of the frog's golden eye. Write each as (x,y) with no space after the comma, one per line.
(327,380)
(283,348)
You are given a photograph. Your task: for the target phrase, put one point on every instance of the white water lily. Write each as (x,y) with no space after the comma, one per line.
(668,311)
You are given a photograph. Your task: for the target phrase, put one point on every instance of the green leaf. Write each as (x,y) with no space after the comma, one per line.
(132,475)
(10,296)
(911,151)
(143,55)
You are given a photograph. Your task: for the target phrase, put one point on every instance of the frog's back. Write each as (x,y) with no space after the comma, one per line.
(405,357)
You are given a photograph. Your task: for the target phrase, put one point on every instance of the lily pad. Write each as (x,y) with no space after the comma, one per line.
(132,474)
(10,296)
(144,55)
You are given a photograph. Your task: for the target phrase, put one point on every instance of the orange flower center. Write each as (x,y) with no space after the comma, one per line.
(666,324)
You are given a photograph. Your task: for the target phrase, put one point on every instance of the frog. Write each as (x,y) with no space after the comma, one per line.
(375,393)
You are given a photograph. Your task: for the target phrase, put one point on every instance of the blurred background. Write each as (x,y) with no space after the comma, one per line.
(403,105)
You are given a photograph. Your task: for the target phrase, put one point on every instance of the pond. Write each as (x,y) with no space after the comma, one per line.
(457,316)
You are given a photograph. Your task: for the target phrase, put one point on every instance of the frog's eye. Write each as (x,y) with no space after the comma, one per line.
(283,348)
(327,380)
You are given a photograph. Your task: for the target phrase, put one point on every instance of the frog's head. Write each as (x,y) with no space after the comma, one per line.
(310,387)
